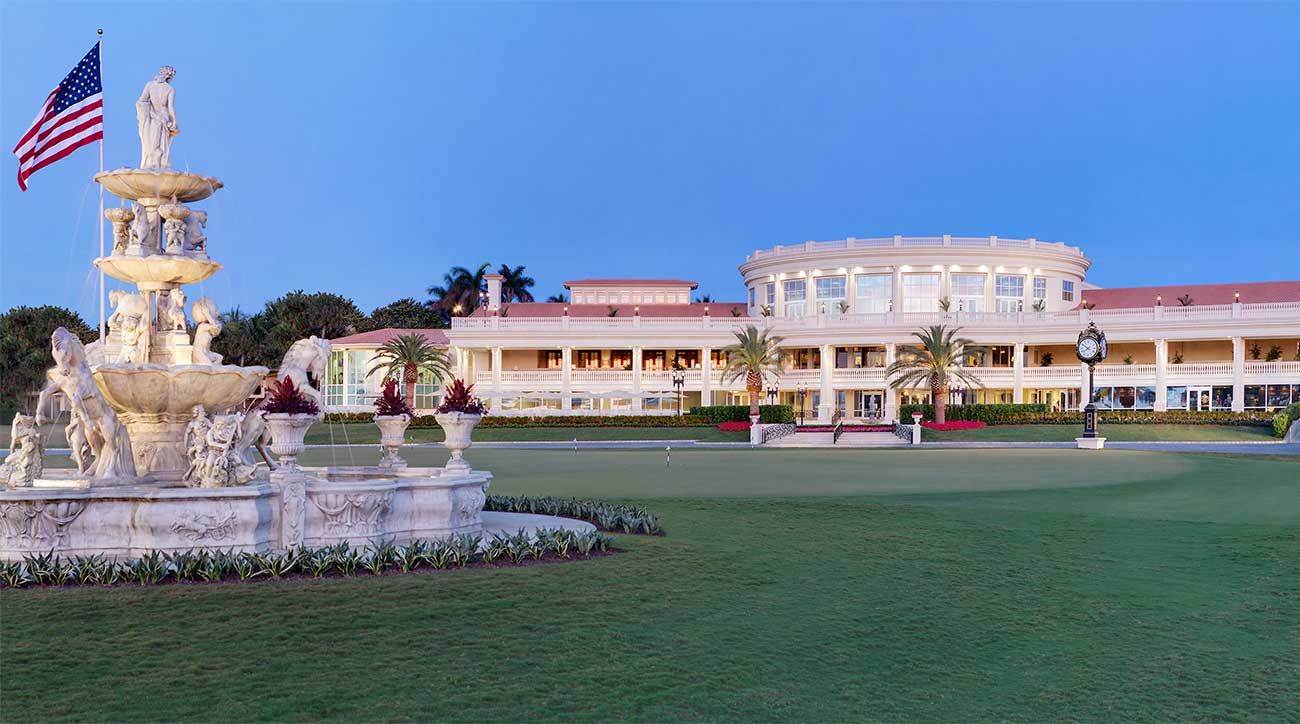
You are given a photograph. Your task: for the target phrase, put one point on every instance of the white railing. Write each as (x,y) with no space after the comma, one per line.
(1199,369)
(912,242)
(1069,319)
(1063,373)
(601,376)
(523,376)
(1110,372)
(860,375)
(1291,369)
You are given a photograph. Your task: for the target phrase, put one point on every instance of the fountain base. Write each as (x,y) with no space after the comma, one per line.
(304,507)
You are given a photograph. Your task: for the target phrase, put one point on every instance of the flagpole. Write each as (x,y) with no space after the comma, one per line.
(102,330)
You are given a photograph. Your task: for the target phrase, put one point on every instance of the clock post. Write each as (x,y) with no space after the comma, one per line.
(1091,349)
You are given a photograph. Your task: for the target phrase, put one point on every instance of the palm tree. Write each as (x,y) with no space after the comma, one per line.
(934,362)
(704,299)
(1185,300)
(514,284)
(460,289)
(558,299)
(409,355)
(754,355)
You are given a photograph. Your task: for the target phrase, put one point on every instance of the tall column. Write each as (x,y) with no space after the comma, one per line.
(706,376)
(636,378)
(1018,372)
(1238,374)
(778,307)
(826,403)
(566,378)
(496,380)
(1162,386)
(891,394)
(897,298)
(1083,385)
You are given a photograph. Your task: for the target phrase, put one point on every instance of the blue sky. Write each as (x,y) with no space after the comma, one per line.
(367,147)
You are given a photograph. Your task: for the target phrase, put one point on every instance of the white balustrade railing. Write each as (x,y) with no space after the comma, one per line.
(912,242)
(602,376)
(860,375)
(1063,374)
(1290,369)
(1199,369)
(1108,372)
(523,376)
(1067,319)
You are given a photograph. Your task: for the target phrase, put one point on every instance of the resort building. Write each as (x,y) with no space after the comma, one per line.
(845,309)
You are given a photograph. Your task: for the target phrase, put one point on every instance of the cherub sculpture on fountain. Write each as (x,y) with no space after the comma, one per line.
(207,323)
(171,311)
(221,464)
(24,462)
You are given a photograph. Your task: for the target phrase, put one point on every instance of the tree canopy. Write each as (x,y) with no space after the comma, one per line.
(407,313)
(25,349)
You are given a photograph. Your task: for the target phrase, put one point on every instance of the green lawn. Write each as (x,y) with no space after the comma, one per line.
(1118,433)
(810,585)
(338,434)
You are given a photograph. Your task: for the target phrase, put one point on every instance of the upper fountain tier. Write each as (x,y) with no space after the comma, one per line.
(152,187)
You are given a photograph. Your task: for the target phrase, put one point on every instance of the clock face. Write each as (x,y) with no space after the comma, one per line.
(1104,348)
(1087,348)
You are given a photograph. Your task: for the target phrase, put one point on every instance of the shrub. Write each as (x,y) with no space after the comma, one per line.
(460,398)
(546,420)
(1283,419)
(605,516)
(286,398)
(979,413)
(955,425)
(389,403)
(767,414)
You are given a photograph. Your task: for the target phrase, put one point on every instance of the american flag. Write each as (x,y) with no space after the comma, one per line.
(71,117)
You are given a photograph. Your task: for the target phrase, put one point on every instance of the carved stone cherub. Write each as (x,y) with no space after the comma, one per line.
(24,462)
(207,321)
(195,240)
(222,466)
(171,311)
(196,440)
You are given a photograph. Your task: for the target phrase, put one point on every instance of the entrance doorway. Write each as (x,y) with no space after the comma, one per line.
(1199,399)
(869,405)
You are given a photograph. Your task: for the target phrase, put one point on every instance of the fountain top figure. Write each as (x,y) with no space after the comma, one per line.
(155,113)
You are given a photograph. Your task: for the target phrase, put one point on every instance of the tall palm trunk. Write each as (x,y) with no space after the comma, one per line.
(939,393)
(409,376)
(754,386)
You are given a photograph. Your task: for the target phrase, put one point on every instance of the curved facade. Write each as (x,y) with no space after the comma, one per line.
(914,274)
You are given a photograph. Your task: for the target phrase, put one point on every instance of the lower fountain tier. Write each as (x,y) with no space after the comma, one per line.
(156,402)
(307,507)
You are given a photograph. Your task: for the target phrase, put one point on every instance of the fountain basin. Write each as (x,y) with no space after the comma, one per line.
(153,187)
(311,507)
(156,402)
(158,271)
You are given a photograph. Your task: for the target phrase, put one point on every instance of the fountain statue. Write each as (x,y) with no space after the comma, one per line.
(162,431)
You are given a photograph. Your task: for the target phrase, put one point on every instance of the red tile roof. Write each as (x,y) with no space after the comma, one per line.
(1251,292)
(380,336)
(632,283)
(556,309)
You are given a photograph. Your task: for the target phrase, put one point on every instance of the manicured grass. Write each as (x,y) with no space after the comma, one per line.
(808,585)
(339,434)
(1118,433)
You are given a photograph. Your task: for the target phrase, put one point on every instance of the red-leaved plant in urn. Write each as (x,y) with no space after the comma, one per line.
(286,398)
(460,398)
(390,403)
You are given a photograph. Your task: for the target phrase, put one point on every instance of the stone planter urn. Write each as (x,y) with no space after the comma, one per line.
(458,428)
(916,418)
(287,434)
(392,433)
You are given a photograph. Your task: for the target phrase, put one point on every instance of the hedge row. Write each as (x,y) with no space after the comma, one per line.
(1282,421)
(546,420)
(767,414)
(991,414)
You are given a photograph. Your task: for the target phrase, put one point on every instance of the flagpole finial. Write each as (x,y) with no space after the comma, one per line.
(99,32)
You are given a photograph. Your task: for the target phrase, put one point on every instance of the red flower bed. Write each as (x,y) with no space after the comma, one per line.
(954,425)
(847,428)
(733,426)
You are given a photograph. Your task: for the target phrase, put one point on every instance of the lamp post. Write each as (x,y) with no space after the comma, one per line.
(771,394)
(802,392)
(679,381)
(483,300)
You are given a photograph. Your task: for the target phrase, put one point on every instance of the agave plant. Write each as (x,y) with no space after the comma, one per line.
(754,356)
(933,363)
(404,357)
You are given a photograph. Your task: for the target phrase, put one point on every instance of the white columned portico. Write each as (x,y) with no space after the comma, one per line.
(1018,372)
(706,376)
(826,401)
(891,394)
(636,378)
(566,378)
(1238,374)
(896,296)
(1162,385)
(496,380)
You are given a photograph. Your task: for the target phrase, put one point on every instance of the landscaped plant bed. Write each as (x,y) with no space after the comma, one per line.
(550,545)
(733,426)
(1143,417)
(954,425)
(846,428)
(606,516)
(630,421)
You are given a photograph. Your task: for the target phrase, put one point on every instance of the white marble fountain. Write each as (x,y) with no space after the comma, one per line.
(163,435)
